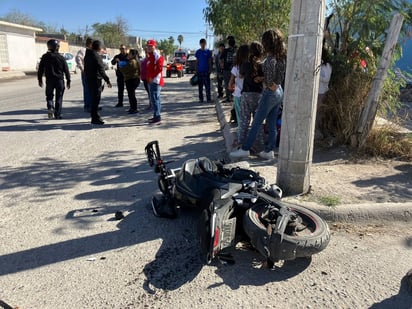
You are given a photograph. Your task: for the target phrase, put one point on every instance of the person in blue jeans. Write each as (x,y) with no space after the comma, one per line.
(203,69)
(274,69)
(154,68)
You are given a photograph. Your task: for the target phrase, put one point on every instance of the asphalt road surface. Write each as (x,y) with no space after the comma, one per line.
(63,180)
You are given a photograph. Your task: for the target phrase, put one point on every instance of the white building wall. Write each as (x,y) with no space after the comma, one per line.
(22,52)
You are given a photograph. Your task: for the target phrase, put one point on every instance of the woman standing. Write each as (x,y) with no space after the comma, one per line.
(236,83)
(252,74)
(131,73)
(143,77)
(274,69)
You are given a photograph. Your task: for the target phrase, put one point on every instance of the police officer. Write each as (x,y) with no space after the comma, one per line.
(54,66)
(117,60)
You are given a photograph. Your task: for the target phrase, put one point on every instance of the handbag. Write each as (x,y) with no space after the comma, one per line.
(194,80)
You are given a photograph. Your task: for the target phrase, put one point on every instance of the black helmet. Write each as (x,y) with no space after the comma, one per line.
(53,45)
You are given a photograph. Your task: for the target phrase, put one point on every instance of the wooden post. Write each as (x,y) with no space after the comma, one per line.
(368,114)
(301,94)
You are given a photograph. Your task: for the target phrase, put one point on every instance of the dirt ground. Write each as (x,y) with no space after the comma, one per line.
(339,176)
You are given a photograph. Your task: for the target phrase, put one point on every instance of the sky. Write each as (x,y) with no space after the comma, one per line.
(158,19)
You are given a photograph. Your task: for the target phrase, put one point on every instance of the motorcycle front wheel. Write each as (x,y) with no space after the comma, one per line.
(311,236)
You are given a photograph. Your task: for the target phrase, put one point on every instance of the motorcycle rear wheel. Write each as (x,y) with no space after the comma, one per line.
(312,238)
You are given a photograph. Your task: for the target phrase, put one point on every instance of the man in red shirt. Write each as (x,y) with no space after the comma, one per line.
(154,79)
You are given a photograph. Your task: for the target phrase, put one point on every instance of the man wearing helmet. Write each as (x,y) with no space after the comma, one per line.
(54,67)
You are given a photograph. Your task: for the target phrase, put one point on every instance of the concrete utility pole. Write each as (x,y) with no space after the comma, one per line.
(301,94)
(368,115)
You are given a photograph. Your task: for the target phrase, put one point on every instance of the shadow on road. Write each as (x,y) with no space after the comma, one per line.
(401,300)
(130,187)
(247,270)
(399,185)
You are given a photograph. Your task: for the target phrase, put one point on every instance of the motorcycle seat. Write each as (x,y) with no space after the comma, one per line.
(207,165)
(198,177)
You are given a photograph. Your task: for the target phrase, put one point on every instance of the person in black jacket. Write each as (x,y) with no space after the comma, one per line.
(227,57)
(118,60)
(95,72)
(55,67)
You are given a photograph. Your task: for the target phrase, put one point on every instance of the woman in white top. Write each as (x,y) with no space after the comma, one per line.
(236,82)
(325,74)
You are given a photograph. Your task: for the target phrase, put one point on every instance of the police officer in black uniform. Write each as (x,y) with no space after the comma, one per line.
(95,72)
(122,56)
(55,67)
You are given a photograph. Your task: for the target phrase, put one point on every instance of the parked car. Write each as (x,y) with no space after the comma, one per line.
(71,62)
(107,61)
(191,64)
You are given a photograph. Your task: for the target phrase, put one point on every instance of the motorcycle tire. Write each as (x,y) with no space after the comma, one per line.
(311,240)
(204,236)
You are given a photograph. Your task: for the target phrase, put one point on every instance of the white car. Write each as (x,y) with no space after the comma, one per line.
(71,62)
(107,61)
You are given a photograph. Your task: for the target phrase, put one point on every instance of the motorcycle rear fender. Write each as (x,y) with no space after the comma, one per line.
(280,250)
(225,223)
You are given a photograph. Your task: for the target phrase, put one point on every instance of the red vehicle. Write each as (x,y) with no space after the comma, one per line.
(176,67)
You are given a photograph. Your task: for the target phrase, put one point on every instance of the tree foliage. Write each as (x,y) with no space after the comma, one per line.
(167,46)
(357,34)
(113,34)
(360,24)
(18,17)
(246,20)
(180,39)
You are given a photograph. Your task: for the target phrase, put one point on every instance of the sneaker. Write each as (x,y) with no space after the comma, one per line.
(240,153)
(119,105)
(58,117)
(50,113)
(132,111)
(266,155)
(154,121)
(97,121)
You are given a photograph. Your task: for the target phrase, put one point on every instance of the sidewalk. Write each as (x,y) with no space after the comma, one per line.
(363,212)
(8,75)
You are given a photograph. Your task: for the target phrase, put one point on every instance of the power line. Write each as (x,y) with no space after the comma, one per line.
(165,32)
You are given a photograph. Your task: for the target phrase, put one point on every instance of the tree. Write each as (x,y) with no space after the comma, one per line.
(113,34)
(167,45)
(358,30)
(17,17)
(180,40)
(239,17)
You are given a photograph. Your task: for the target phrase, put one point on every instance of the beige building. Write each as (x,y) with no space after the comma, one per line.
(17,47)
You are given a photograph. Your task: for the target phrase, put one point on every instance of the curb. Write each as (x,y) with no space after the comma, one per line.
(360,213)
(4,76)
(401,212)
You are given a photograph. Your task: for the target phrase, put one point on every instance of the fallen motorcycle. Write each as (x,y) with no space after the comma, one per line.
(235,204)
